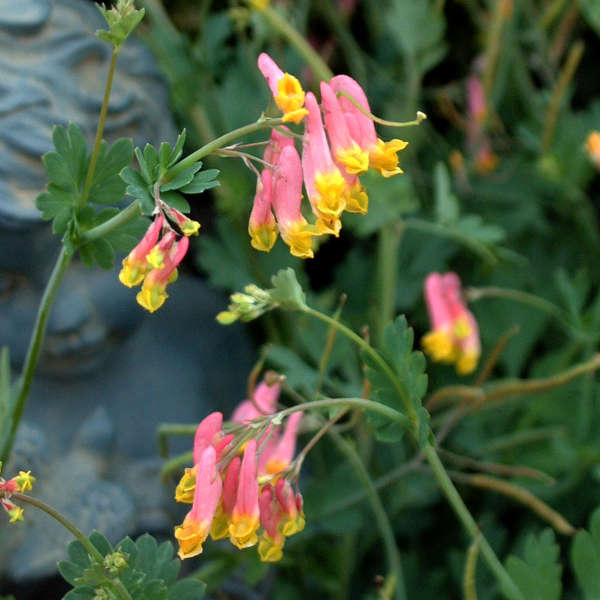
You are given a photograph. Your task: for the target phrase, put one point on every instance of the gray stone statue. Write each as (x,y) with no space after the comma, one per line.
(109,373)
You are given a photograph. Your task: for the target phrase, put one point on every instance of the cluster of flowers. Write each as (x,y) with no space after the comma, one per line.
(454,335)
(23,482)
(154,260)
(333,156)
(238,485)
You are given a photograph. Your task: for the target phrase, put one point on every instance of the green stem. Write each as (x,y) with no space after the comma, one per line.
(35,345)
(364,345)
(92,550)
(382,409)
(224,140)
(457,504)
(308,53)
(127,214)
(389,238)
(396,579)
(100,130)
(116,585)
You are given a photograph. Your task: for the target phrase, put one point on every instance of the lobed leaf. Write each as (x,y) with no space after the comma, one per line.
(585,558)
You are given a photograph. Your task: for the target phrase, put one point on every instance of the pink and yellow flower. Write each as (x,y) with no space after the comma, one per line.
(454,337)
(194,530)
(286,89)
(287,199)
(135,265)
(261,225)
(324,182)
(383,156)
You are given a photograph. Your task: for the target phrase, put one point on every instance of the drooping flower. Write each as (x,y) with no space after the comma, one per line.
(454,337)
(220,525)
(188,226)
(22,482)
(270,546)
(383,156)
(324,182)
(135,265)
(279,449)
(192,533)
(265,402)
(287,198)
(245,516)
(286,89)
(261,225)
(153,293)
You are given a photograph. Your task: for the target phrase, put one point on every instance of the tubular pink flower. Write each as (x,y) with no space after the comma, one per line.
(265,402)
(277,456)
(270,546)
(291,505)
(153,293)
(261,225)
(156,256)
(277,143)
(287,198)
(383,156)
(286,89)
(245,515)
(188,226)
(345,150)
(455,336)
(222,520)
(135,265)
(208,433)
(196,525)
(325,184)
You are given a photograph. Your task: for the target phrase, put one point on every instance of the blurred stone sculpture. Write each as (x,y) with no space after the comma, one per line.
(101,349)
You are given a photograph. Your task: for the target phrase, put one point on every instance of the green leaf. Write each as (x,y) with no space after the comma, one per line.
(121,24)
(103,253)
(111,161)
(70,571)
(202,181)
(182,178)
(187,589)
(286,291)
(5,395)
(178,148)
(58,171)
(152,162)
(573,290)
(590,10)
(538,574)
(78,554)
(446,205)
(81,592)
(138,188)
(176,201)
(100,542)
(146,553)
(585,557)
(62,220)
(108,191)
(406,381)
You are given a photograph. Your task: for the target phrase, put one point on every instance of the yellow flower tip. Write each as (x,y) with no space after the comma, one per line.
(276,465)
(467,362)
(16,514)
(298,236)
(220,526)
(294,116)
(132,274)
(331,188)
(191,535)
(462,328)
(264,237)
(290,97)
(151,297)
(156,258)
(438,344)
(184,492)
(291,526)
(329,226)
(270,550)
(190,227)
(354,159)
(242,531)
(357,200)
(383,157)
(25,481)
